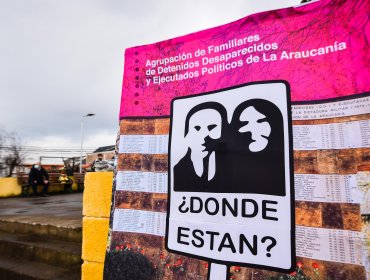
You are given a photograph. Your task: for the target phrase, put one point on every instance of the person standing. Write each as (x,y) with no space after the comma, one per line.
(101,165)
(38,176)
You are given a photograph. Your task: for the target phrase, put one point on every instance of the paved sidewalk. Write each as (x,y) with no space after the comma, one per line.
(62,210)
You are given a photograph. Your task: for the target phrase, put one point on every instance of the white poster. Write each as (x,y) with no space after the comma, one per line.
(230,177)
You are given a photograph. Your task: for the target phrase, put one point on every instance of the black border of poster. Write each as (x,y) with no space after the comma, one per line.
(292,194)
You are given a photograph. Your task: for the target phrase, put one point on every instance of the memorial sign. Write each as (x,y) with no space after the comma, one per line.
(222,145)
(210,125)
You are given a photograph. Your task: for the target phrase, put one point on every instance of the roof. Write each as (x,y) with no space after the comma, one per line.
(105,149)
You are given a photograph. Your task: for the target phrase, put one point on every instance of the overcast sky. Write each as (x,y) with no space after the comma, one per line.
(62,59)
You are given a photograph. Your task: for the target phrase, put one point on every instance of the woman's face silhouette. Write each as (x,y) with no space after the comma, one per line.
(202,124)
(256,124)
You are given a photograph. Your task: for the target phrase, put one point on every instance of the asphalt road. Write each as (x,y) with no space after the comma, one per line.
(59,210)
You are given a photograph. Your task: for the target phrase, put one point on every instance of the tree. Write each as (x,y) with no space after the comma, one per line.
(11,154)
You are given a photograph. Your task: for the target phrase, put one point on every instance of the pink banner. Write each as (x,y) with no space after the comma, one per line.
(244,151)
(318,49)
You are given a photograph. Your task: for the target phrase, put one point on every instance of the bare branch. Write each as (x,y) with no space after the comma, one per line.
(11,154)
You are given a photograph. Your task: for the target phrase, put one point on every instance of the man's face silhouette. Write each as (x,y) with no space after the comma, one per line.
(202,124)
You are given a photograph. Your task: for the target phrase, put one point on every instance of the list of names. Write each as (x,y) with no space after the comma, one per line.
(335,245)
(143,144)
(137,181)
(138,221)
(327,188)
(344,135)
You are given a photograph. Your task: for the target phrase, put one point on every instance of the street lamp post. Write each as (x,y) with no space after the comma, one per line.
(82,137)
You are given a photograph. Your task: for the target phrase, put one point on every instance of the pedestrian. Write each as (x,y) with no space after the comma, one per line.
(38,176)
(100,165)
